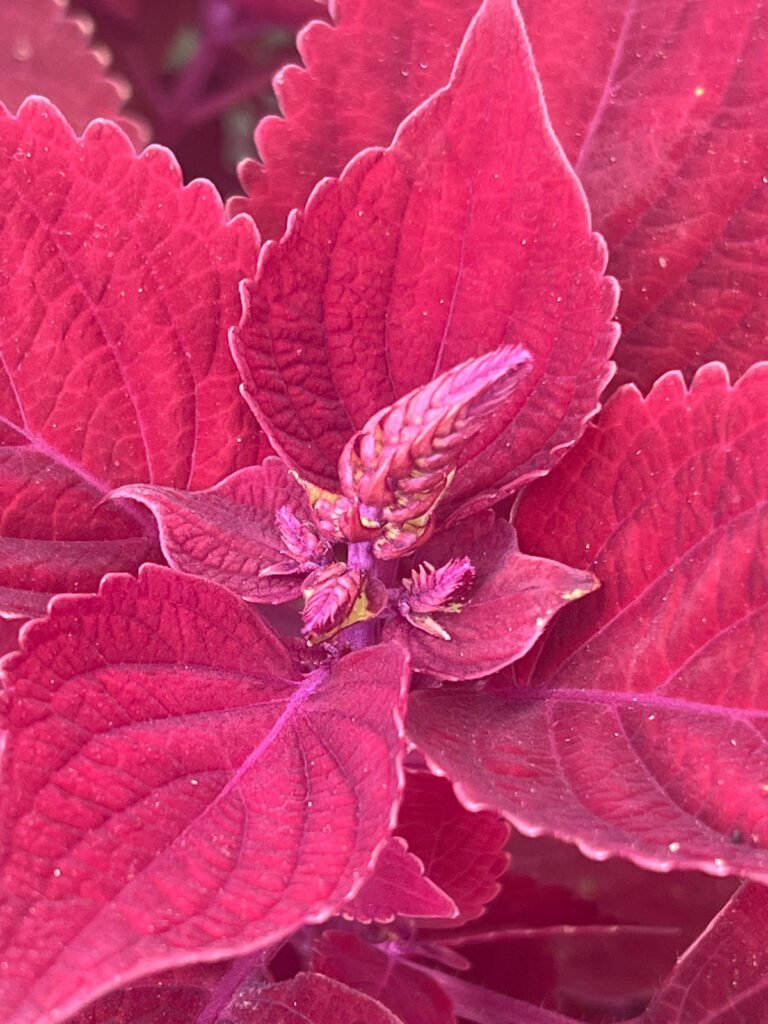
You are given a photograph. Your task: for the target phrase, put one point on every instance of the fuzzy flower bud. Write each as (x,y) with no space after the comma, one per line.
(304,546)
(435,590)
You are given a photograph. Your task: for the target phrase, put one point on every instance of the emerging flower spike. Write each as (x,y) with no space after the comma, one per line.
(399,465)
(304,546)
(435,590)
(337,597)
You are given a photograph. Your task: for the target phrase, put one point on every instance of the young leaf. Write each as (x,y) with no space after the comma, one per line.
(175,792)
(468,233)
(636,726)
(117,287)
(398,887)
(229,534)
(663,111)
(512,599)
(389,56)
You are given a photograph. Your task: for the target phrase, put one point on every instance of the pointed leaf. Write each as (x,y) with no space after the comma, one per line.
(398,887)
(469,233)
(228,534)
(462,852)
(174,791)
(388,56)
(724,975)
(117,287)
(663,110)
(45,51)
(512,599)
(637,726)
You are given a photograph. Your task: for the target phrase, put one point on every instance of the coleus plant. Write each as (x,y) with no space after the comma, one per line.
(286,667)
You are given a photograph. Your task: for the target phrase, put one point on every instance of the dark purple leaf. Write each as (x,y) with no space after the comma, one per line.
(663,110)
(117,287)
(462,852)
(513,598)
(228,534)
(638,725)
(45,51)
(408,992)
(469,233)
(723,978)
(175,791)
(362,77)
(398,887)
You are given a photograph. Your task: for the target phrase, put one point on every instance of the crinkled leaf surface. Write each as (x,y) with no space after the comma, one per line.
(227,534)
(723,978)
(462,852)
(363,76)
(663,109)
(398,887)
(175,792)
(513,598)
(117,287)
(638,725)
(468,233)
(44,51)
(409,993)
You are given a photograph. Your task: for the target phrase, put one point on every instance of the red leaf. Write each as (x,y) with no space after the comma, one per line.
(175,792)
(462,852)
(636,727)
(398,887)
(513,598)
(311,999)
(469,233)
(46,52)
(388,56)
(228,533)
(724,975)
(407,991)
(663,111)
(117,287)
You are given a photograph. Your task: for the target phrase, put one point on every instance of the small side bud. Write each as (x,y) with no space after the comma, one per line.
(435,590)
(301,542)
(337,597)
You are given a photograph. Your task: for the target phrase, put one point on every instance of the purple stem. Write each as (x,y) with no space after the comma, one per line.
(222,994)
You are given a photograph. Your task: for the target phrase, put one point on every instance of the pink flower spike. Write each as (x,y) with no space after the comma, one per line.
(404,458)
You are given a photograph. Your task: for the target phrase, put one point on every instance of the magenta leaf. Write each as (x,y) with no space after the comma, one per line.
(662,111)
(117,287)
(310,998)
(46,52)
(723,977)
(175,791)
(462,852)
(389,57)
(638,725)
(511,601)
(388,977)
(475,235)
(230,533)
(398,887)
